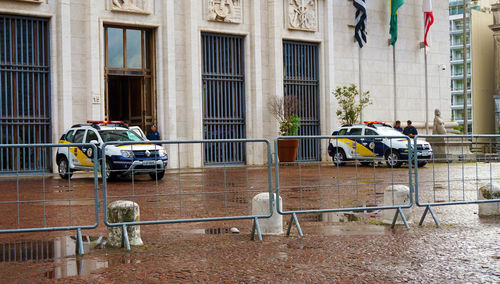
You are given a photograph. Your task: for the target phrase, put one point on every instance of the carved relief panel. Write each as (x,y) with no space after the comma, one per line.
(228,11)
(302,15)
(131,6)
(31,1)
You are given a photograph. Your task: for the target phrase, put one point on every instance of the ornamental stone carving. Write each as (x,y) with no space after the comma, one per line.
(31,1)
(131,6)
(302,15)
(228,11)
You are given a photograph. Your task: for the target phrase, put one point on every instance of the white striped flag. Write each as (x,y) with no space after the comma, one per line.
(429,18)
(360,29)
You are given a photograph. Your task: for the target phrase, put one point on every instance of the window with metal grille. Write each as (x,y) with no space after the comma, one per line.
(223,81)
(25,92)
(301,79)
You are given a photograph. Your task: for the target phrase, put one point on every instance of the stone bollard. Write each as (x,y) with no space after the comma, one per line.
(260,206)
(489,191)
(123,211)
(401,194)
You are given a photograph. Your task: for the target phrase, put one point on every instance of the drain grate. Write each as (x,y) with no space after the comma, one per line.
(217,231)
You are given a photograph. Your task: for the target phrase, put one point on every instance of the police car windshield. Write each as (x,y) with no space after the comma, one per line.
(387,131)
(119,135)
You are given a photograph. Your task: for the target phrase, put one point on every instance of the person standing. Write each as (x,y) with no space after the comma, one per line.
(397,126)
(410,130)
(153,133)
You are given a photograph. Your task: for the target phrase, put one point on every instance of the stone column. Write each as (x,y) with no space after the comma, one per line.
(256,105)
(495,8)
(193,114)
(274,81)
(327,81)
(95,73)
(63,97)
(166,80)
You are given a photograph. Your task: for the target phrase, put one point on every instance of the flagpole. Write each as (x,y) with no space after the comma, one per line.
(426,91)
(360,68)
(394,78)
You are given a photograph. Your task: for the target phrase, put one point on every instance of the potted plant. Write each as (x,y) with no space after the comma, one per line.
(285,110)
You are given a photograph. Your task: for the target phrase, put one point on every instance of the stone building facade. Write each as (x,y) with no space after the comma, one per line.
(188,65)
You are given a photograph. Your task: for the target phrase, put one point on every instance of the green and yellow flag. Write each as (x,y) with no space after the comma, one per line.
(393,30)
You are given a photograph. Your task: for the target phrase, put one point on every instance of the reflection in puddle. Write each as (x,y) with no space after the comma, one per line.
(352,230)
(60,251)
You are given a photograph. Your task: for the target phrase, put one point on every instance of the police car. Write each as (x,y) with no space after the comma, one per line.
(394,151)
(121,159)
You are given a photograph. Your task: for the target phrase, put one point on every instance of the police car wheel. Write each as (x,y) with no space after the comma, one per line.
(63,168)
(157,175)
(110,175)
(393,160)
(338,157)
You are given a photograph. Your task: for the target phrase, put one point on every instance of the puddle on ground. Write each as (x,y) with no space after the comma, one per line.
(60,251)
(350,230)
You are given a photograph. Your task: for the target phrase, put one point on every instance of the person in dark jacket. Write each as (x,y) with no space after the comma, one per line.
(410,130)
(397,126)
(153,133)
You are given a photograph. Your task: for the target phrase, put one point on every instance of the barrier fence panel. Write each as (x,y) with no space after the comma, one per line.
(186,190)
(463,170)
(34,201)
(356,178)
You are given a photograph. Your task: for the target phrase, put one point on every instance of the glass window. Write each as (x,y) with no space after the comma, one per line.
(370,132)
(69,135)
(115,47)
(342,131)
(147,55)
(119,135)
(78,138)
(355,131)
(134,51)
(91,135)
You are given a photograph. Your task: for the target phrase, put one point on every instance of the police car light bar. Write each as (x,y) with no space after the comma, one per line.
(373,122)
(104,121)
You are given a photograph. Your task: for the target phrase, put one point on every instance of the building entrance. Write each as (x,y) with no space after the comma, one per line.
(129,100)
(129,73)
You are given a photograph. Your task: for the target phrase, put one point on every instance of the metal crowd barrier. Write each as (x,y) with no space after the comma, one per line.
(460,166)
(322,187)
(184,191)
(42,200)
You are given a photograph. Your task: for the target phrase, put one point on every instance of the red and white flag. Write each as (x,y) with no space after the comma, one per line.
(429,18)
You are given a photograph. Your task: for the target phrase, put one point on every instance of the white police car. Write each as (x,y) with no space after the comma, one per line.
(368,149)
(121,159)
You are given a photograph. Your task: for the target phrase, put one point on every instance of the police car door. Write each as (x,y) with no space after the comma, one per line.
(374,146)
(75,151)
(88,150)
(137,130)
(355,141)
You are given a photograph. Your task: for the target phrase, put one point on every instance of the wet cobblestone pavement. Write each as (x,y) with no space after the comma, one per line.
(466,249)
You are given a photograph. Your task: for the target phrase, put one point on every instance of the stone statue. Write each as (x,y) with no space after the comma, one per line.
(438,127)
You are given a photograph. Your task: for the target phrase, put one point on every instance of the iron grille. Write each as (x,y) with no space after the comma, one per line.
(223,97)
(25,92)
(301,79)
